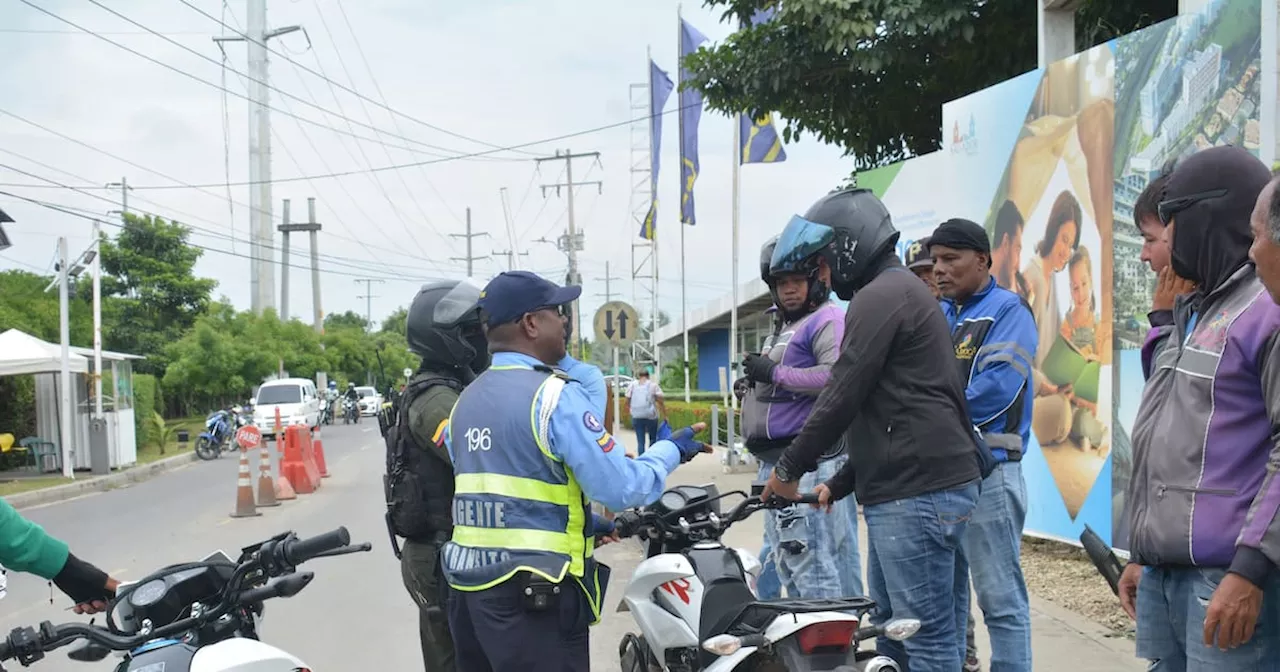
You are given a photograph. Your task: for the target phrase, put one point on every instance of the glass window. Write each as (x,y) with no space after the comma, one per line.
(279,394)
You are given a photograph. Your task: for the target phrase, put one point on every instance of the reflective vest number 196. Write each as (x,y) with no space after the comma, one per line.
(478,439)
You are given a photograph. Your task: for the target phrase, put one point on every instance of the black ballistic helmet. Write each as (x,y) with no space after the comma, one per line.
(766,256)
(864,234)
(443,326)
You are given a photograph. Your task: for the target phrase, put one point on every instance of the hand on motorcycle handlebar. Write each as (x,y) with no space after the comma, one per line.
(776,487)
(607,539)
(97,606)
(824,498)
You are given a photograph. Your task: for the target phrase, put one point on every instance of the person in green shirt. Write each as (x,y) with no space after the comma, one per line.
(26,547)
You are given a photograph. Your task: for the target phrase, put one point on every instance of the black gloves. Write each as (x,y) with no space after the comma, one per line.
(759,368)
(83,582)
(740,387)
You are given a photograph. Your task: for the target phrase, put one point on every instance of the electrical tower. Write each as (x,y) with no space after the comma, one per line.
(470,258)
(644,253)
(573,241)
(511,257)
(262,277)
(608,283)
(311,227)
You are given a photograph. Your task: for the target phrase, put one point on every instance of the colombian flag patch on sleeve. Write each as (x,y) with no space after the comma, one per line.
(606,442)
(438,437)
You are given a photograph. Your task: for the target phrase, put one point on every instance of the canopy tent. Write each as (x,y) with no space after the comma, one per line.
(24,354)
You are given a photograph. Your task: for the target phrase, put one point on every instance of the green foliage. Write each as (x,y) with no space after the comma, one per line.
(144,404)
(26,306)
(871,76)
(148,267)
(161,431)
(680,414)
(347,320)
(396,322)
(18,406)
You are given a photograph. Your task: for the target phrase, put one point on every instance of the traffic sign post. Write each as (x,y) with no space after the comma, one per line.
(248,437)
(617,324)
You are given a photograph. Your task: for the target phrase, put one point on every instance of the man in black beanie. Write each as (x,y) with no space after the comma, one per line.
(995,340)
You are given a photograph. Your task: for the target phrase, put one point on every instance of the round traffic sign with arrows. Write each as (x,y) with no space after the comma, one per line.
(617,323)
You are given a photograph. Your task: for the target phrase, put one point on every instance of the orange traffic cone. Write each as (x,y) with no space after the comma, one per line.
(318,448)
(284,489)
(266,486)
(244,490)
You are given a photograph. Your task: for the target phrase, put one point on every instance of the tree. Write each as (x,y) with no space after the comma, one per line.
(347,320)
(149,267)
(26,306)
(872,76)
(396,322)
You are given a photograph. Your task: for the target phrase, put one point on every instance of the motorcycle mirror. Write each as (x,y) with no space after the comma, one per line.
(90,652)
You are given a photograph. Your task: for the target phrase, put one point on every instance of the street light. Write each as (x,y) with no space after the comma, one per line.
(67,270)
(4,239)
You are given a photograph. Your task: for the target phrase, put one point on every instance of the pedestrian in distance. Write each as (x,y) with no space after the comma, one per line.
(814,555)
(915,461)
(530,454)
(1204,534)
(443,328)
(995,340)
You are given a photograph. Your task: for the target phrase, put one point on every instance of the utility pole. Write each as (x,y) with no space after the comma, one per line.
(511,257)
(124,195)
(368,297)
(572,243)
(312,227)
(470,258)
(608,283)
(261,234)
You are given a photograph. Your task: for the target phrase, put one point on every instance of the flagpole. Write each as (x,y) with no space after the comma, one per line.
(684,311)
(733,312)
(653,197)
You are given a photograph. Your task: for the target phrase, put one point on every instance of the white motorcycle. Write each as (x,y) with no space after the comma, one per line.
(695,600)
(194,617)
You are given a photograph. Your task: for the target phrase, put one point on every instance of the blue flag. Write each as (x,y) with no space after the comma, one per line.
(690,114)
(760,140)
(660,87)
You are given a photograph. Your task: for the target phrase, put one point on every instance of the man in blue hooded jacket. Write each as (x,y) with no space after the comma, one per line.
(995,340)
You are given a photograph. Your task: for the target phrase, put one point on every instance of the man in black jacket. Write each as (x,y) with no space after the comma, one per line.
(443,328)
(914,460)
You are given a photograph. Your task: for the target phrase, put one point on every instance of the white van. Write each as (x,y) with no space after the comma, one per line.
(296,398)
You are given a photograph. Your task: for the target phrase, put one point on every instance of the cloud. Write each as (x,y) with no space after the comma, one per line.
(499,72)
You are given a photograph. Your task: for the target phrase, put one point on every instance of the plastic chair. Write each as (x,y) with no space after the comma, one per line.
(6,442)
(44,453)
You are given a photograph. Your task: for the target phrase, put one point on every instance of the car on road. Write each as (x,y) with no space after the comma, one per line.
(620,382)
(370,400)
(295,398)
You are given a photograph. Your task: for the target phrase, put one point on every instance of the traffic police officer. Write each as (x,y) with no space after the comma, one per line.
(529,453)
(443,328)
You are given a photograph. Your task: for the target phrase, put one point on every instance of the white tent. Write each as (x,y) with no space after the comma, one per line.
(24,354)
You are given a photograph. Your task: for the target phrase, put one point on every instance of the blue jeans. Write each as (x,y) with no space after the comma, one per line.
(769,586)
(917,569)
(646,433)
(1172,602)
(993,547)
(816,553)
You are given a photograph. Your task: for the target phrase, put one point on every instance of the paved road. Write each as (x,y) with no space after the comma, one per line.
(356,613)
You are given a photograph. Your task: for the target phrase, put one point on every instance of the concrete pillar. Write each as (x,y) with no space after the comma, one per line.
(1056,28)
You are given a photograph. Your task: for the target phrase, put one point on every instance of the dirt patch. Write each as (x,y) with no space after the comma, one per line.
(1063,574)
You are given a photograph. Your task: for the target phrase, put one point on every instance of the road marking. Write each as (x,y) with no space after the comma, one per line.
(367,429)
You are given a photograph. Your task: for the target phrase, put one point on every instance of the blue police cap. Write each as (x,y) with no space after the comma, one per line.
(513,294)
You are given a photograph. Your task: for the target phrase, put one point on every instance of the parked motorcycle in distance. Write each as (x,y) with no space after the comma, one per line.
(220,429)
(350,411)
(194,617)
(694,599)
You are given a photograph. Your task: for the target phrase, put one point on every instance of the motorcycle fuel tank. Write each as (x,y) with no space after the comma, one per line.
(243,655)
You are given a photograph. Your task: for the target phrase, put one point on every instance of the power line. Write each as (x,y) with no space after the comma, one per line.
(368,297)
(206,82)
(352,91)
(470,258)
(66,210)
(401,166)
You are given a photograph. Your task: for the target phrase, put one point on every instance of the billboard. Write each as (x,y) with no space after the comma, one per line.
(1051,162)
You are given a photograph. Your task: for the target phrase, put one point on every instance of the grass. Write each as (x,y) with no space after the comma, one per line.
(28,484)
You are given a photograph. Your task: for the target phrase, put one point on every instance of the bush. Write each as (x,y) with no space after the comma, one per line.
(144,404)
(680,414)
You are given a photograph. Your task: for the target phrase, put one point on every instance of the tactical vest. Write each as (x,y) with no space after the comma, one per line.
(418,483)
(517,507)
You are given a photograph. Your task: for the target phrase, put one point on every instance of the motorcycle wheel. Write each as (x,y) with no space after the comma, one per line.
(206,449)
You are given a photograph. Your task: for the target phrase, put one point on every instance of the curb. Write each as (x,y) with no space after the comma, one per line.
(137,474)
(1083,626)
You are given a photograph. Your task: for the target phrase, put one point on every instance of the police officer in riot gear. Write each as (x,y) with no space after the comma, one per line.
(443,328)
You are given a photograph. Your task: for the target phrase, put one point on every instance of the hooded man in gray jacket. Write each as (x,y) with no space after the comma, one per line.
(1204,585)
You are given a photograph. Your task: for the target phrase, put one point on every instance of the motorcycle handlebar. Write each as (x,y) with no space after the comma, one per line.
(298,551)
(629,523)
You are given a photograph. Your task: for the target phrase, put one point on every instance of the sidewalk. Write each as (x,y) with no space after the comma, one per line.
(1062,641)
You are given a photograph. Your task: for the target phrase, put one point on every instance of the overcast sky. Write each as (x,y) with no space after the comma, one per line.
(504,73)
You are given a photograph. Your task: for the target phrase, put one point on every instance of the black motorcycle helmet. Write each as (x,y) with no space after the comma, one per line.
(443,326)
(850,228)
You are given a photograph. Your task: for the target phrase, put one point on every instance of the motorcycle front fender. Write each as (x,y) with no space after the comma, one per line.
(207,436)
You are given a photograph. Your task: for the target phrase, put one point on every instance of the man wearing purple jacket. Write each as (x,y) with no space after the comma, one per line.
(816,554)
(1204,534)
